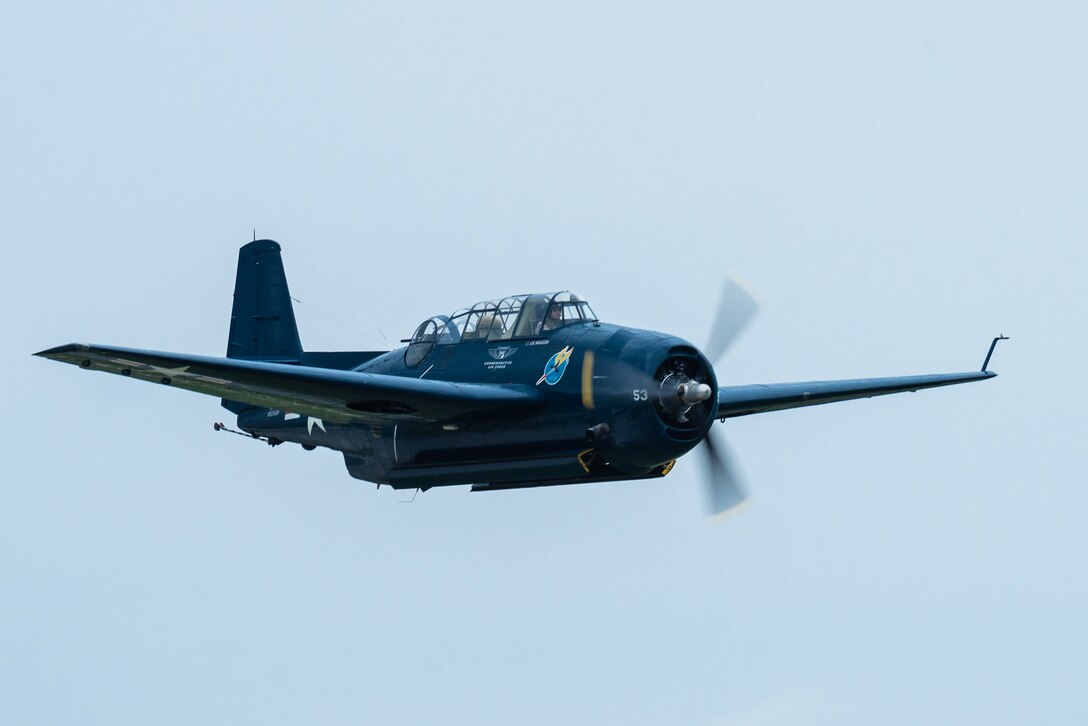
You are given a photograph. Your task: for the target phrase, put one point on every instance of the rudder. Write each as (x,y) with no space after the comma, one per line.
(262,320)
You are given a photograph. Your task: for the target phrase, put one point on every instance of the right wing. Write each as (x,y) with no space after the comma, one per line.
(334,396)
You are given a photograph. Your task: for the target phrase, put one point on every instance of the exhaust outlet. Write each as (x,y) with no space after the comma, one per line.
(597,432)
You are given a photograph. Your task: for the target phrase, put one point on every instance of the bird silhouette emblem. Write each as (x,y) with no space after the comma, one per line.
(556,366)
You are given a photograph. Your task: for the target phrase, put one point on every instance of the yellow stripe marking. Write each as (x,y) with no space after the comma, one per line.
(587,380)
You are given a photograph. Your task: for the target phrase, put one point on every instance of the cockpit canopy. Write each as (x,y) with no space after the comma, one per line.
(517,316)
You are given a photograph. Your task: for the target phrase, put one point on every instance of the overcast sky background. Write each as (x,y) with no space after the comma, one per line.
(898,184)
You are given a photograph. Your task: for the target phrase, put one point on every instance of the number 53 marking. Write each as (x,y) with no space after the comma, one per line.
(640,394)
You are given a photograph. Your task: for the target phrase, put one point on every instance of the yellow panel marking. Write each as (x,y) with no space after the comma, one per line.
(583,457)
(668,467)
(587,380)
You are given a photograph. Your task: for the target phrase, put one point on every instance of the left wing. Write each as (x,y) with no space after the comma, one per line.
(746,400)
(758,398)
(333,395)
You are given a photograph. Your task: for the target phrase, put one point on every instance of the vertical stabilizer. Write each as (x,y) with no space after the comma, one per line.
(262,322)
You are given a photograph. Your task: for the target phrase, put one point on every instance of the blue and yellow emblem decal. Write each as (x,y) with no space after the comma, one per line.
(556,367)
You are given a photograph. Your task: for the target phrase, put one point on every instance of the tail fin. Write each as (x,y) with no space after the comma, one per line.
(262,322)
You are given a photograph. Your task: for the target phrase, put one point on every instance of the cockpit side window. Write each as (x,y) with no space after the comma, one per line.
(438,330)
(479,321)
(458,325)
(449,333)
(502,327)
(490,325)
(422,343)
(586,311)
(532,316)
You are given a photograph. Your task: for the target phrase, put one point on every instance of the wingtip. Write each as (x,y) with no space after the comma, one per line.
(60,349)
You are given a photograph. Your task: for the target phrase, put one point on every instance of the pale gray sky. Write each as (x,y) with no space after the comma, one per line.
(898,183)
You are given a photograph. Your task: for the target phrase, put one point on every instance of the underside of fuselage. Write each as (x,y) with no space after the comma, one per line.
(421,457)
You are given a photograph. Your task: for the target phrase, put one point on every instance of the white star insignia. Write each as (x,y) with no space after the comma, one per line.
(310,422)
(168,372)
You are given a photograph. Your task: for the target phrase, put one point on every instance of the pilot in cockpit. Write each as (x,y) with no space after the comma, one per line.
(554,318)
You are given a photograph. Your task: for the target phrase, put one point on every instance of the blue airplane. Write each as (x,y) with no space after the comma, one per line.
(523,391)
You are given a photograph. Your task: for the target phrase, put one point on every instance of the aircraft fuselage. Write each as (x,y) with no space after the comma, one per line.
(599,416)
